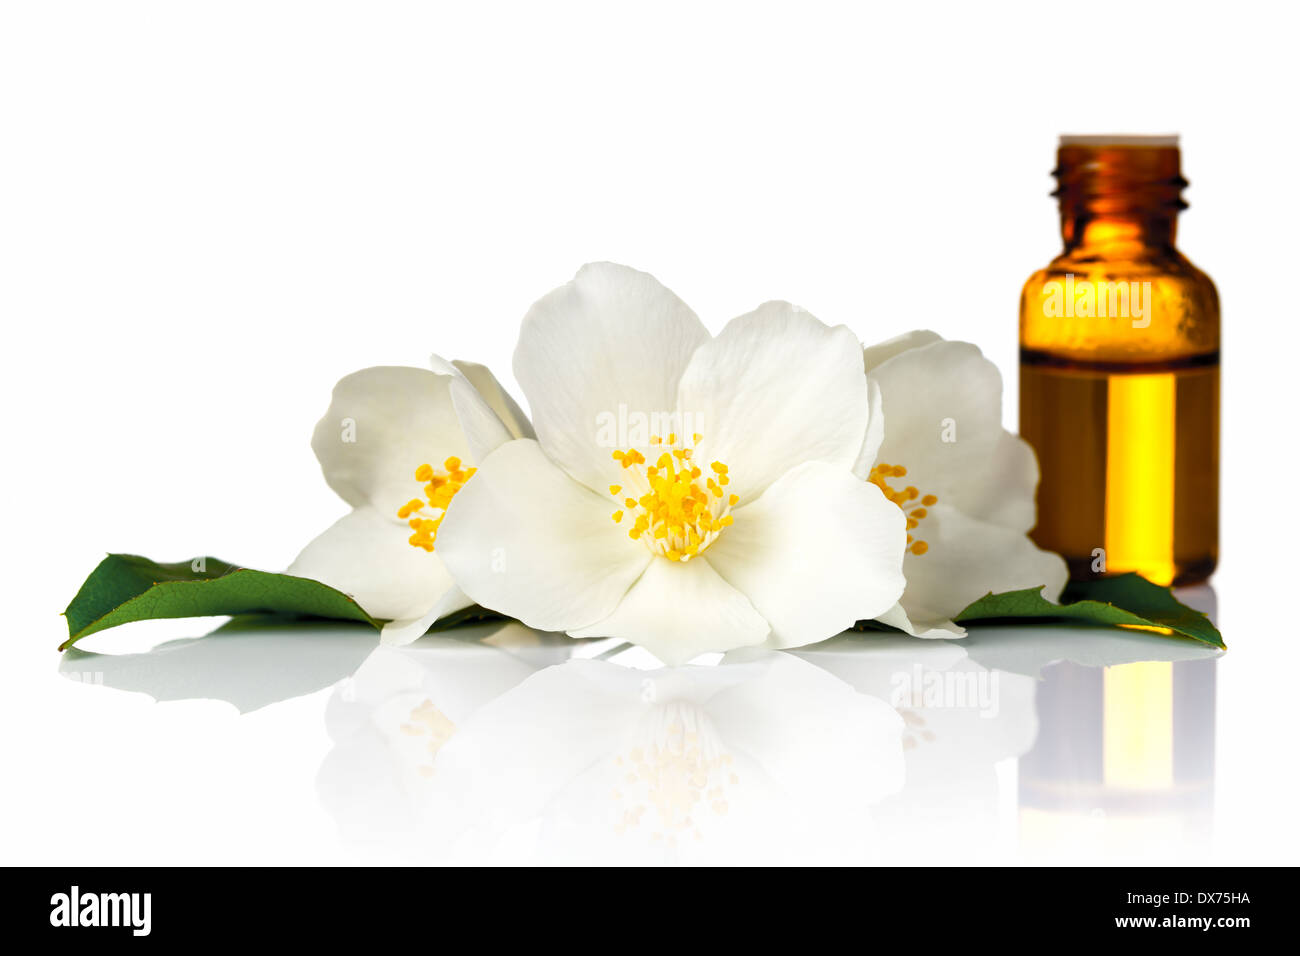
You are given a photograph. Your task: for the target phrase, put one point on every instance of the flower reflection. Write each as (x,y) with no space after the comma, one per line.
(492,744)
(590,761)
(389,721)
(964,725)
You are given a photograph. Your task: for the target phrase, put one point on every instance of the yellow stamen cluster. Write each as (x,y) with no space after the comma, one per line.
(424,515)
(903,497)
(675,509)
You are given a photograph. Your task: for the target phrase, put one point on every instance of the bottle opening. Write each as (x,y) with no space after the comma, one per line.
(1120,139)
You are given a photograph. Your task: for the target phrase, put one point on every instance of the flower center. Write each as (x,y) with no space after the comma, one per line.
(423,515)
(675,510)
(676,777)
(430,728)
(903,497)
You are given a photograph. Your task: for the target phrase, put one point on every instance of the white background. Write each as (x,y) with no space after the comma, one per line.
(211,212)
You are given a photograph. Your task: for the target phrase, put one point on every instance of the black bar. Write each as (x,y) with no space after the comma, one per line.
(237,905)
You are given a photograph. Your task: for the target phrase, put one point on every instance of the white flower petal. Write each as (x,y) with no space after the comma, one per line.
(819,551)
(485,430)
(943,421)
(873,355)
(875,432)
(407,630)
(497,398)
(1002,492)
(968,558)
(366,555)
(381,425)
(525,539)
(776,388)
(612,337)
(679,610)
(929,628)
(487,412)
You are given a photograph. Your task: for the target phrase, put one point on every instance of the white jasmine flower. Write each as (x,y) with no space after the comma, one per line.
(965,484)
(734,521)
(392,446)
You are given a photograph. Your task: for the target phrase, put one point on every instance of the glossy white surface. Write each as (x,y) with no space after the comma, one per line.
(495,743)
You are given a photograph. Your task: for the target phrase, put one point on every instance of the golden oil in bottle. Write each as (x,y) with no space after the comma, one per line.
(1119,371)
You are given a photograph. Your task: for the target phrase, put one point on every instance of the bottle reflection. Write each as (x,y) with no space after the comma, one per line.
(1123,765)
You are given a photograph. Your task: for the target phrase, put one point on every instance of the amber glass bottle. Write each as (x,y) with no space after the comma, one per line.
(1119,371)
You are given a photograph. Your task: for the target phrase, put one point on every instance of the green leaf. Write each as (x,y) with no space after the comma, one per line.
(127,587)
(1126,600)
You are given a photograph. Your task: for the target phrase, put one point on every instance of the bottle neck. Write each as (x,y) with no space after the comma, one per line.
(1119,196)
(1082,230)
